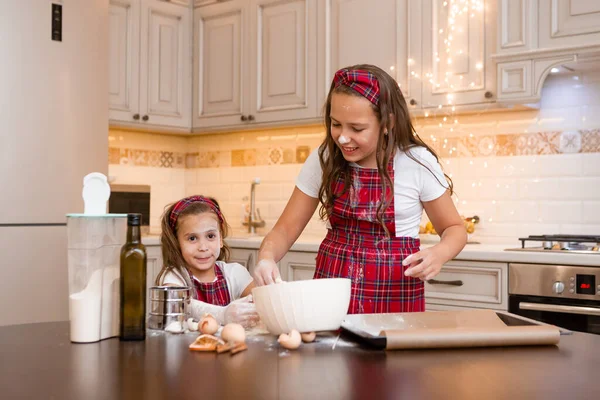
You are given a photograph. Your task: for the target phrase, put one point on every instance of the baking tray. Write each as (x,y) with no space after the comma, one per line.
(370,328)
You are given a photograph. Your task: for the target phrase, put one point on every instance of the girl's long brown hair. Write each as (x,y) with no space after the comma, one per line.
(400,135)
(171,252)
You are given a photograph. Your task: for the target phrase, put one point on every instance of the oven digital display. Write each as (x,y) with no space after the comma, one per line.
(586,284)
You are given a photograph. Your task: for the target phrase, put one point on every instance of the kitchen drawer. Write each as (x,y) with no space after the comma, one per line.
(470,284)
(298,266)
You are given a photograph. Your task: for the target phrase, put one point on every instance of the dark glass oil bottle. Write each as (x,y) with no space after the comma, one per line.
(133,283)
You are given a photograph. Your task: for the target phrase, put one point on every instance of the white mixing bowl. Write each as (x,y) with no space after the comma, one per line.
(307,306)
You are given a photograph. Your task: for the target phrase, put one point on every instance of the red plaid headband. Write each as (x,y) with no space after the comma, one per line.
(360,81)
(185,203)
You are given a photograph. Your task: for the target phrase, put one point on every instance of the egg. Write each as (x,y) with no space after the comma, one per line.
(208,325)
(308,337)
(233,333)
(291,341)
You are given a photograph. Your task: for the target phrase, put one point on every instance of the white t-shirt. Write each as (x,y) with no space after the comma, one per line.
(413,184)
(236,275)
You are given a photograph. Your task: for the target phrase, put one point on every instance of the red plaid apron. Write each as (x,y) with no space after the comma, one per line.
(215,292)
(356,247)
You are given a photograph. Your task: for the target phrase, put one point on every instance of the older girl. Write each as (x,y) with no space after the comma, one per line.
(372,176)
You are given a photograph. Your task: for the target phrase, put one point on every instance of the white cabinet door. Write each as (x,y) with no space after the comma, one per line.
(153,266)
(458,42)
(123,45)
(246,257)
(283,62)
(364,34)
(220,64)
(200,3)
(165,59)
(297,266)
(517,21)
(565,23)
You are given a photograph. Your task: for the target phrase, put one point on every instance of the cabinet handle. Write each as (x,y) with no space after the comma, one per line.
(488,95)
(250,117)
(451,283)
(244,118)
(413,102)
(145,118)
(136,116)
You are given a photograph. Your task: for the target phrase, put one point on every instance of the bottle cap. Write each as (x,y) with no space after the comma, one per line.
(134,219)
(96,192)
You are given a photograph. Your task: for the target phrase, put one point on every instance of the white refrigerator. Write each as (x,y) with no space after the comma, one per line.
(53,130)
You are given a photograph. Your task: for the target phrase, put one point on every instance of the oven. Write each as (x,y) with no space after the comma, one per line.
(563,295)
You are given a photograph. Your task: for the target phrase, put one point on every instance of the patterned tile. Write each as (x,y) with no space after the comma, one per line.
(191,160)
(249,157)
(213,159)
(262,156)
(114,155)
(590,141)
(154,159)
(125,157)
(302,153)
(289,156)
(505,145)
(275,156)
(237,158)
(166,159)
(179,160)
(548,142)
(203,159)
(537,143)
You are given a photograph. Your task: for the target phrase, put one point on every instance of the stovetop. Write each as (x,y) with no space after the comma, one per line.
(578,244)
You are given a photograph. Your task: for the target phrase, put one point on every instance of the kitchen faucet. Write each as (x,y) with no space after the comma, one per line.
(254,219)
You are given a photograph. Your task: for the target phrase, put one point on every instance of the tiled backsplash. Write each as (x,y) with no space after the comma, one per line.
(522,172)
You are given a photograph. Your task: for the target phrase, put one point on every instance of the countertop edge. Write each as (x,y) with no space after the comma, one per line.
(471,252)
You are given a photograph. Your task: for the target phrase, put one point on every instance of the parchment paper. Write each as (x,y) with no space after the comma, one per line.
(444,329)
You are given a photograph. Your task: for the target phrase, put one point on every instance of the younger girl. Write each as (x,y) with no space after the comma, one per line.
(193,252)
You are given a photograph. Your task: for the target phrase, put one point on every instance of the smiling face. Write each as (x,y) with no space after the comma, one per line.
(355,128)
(200,241)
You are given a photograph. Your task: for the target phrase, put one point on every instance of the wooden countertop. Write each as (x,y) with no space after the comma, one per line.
(38,361)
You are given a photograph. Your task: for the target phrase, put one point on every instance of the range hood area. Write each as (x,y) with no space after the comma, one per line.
(536,39)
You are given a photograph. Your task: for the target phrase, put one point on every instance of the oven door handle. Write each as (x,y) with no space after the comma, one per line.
(558,308)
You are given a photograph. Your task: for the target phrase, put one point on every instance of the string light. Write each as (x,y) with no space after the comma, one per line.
(452,31)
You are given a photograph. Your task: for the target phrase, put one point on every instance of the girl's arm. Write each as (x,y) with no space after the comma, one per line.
(248,290)
(442,213)
(298,211)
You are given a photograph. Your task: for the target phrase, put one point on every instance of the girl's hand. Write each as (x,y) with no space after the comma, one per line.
(424,264)
(241,311)
(266,273)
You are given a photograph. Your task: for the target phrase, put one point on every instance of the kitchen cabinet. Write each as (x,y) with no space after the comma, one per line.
(456,47)
(406,39)
(536,35)
(568,23)
(297,266)
(255,62)
(154,264)
(246,257)
(361,33)
(479,284)
(150,63)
